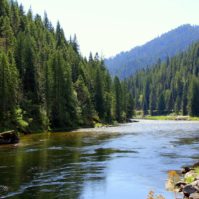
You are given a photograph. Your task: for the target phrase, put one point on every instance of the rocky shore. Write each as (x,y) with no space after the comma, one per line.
(189,184)
(9,137)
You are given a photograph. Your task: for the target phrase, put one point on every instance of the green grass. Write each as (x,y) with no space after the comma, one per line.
(171,117)
(194,118)
(160,117)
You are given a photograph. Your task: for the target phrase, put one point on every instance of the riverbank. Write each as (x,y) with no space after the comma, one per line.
(126,161)
(170,117)
(189,184)
(9,137)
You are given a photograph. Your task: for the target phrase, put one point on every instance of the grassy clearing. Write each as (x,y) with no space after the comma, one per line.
(194,118)
(171,117)
(161,117)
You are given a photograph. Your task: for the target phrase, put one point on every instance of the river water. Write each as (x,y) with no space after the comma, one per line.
(124,162)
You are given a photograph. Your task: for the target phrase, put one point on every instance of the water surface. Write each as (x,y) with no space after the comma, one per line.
(110,163)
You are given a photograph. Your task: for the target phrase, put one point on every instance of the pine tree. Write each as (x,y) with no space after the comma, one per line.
(161,104)
(118,99)
(130,107)
(194,98)
(4,8)
(83,95)
(99,97)
(9,88)
(45,83)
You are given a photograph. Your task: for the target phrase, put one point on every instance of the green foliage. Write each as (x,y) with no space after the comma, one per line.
(9,84)
(118,99)
(45,83)
(189,179)
(161,104)
(21,124)
(169,87)
(194,98)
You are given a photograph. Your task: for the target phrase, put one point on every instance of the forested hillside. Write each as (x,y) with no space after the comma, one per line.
(45,83)
(169,87)
(167,45)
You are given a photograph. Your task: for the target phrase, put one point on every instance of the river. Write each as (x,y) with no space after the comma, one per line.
(123,162)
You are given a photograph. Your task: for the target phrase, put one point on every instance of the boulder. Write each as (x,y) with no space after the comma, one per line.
(180,185)
(188,190)
(194,196)
(3,189)
(9,137)
(185,170)
(190,174)
(195,184)
(196,165)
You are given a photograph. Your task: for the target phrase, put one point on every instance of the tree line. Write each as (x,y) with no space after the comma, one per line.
(45,82)
(170,86)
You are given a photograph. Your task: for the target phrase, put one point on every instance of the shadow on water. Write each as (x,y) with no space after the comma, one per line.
(54,165)
(187,140)
(96,165)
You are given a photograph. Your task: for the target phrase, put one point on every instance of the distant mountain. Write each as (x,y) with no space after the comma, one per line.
(167,45)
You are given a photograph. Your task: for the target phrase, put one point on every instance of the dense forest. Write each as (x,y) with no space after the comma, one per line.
(46,84)
(171,86)
(169,44)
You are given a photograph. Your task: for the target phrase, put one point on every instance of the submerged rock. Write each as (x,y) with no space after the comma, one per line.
(9,137)
(3,189)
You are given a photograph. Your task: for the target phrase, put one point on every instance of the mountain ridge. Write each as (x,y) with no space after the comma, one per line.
(166,45)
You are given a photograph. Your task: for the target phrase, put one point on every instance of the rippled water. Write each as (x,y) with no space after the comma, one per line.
(123,162)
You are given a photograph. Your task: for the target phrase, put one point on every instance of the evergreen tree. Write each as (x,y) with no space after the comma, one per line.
(118,99)
(84,99)
(130,107)
(161,104)
(9,85)
(194,98)
(99,98)
(45,83)
(4,8)
(166,87)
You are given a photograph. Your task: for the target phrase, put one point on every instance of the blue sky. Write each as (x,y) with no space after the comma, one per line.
(112,26)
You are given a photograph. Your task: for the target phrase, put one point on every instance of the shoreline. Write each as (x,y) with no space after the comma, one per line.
(187,182)
(169,117)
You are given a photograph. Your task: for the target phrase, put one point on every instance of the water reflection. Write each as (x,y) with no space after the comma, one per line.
(95,165)
(55,167)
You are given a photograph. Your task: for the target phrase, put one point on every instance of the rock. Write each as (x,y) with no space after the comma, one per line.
(185,170)
(169,185)
(196,165)
(188,190)
(9,137)
(194,196)
(197,178)
(180,185)
(180,117)
(190,174)
(195,184)
(132,120)
(3,189)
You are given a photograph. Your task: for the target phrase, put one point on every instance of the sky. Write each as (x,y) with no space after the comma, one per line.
(111,26)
